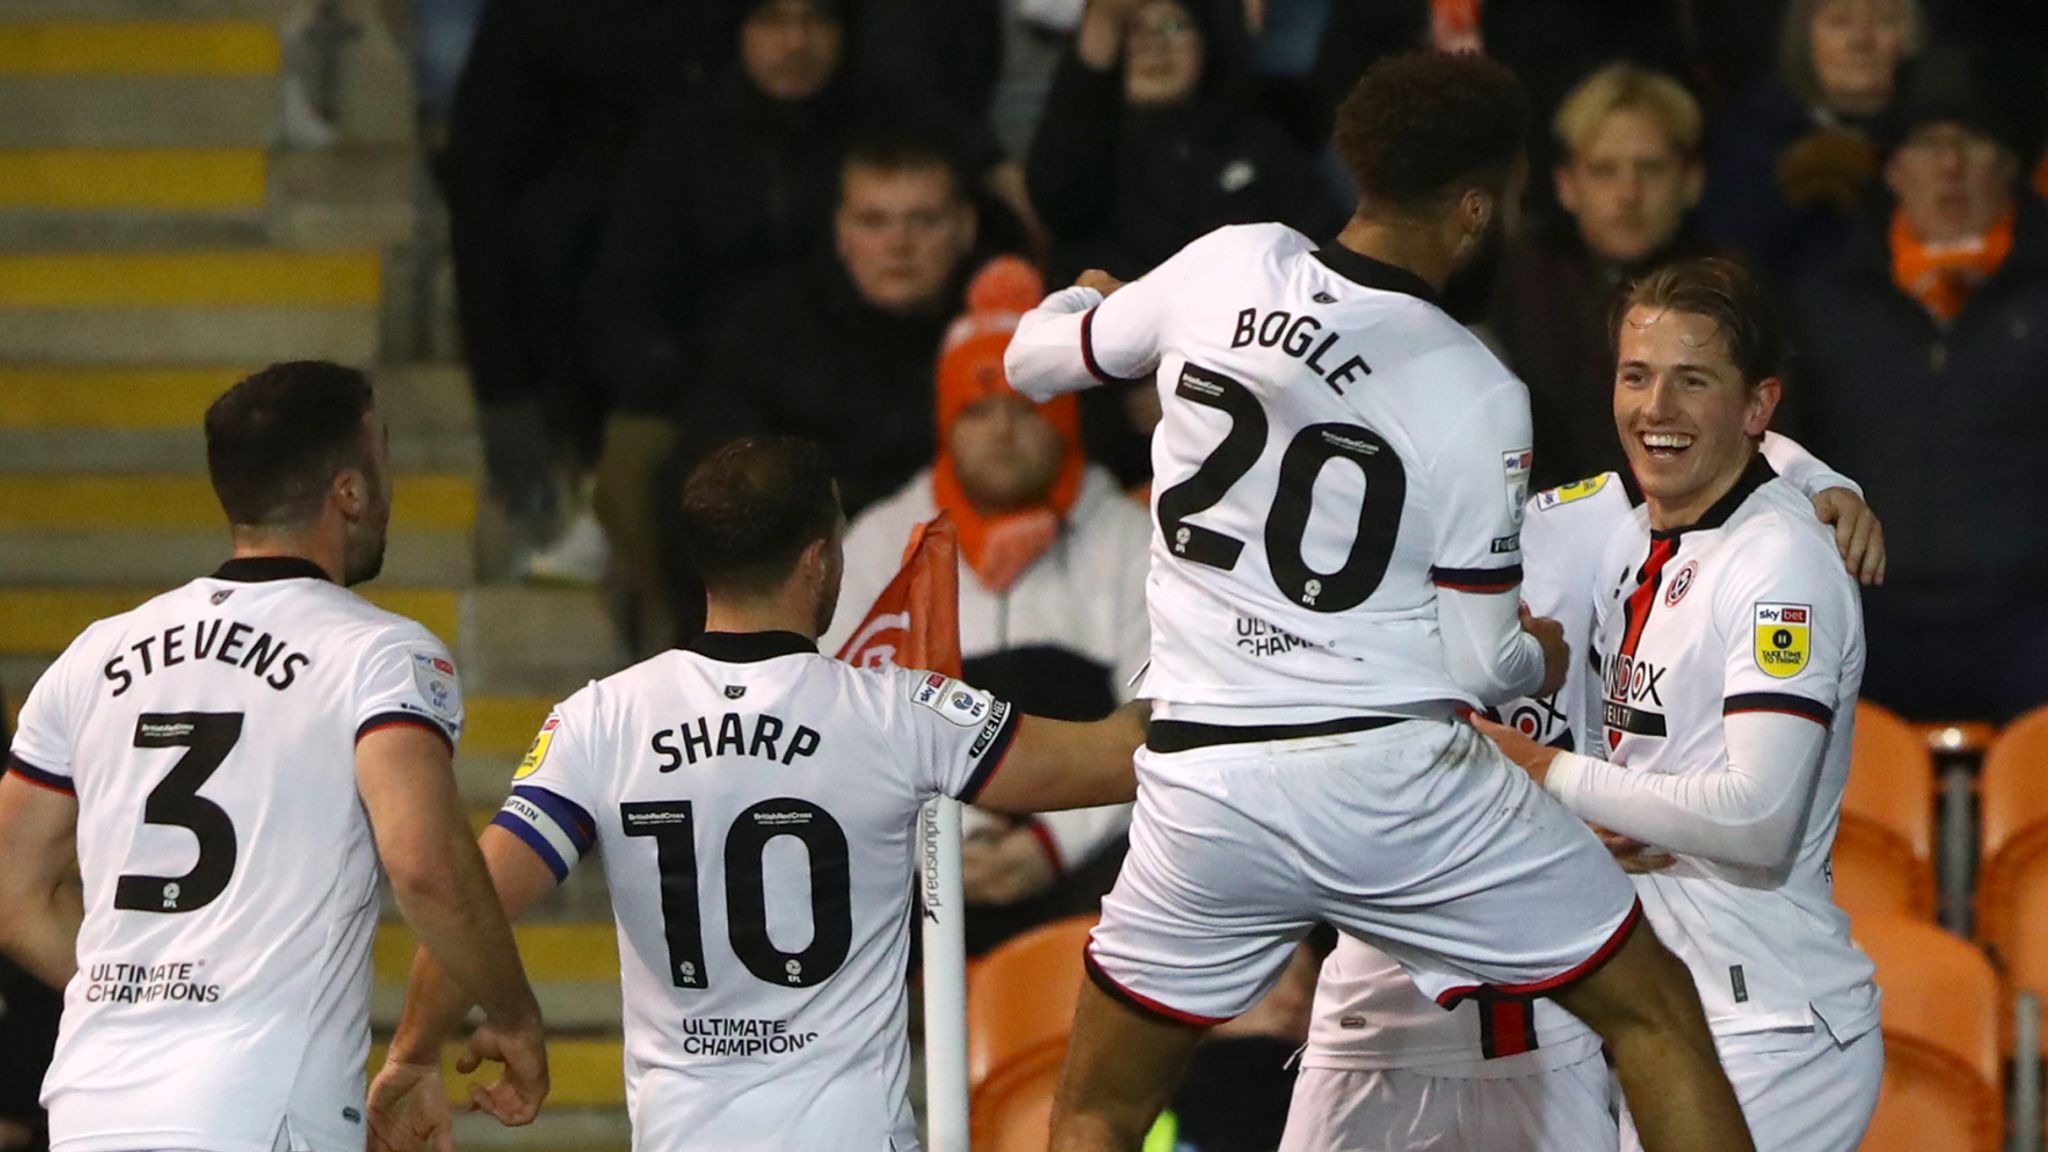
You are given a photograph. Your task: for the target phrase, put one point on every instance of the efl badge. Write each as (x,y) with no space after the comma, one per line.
(1515,467)
(434,675)
(1784,639)
(539,751)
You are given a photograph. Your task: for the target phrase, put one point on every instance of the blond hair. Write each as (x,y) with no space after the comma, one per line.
(1620,86)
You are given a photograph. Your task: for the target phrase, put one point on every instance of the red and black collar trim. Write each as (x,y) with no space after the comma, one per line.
(1758,474)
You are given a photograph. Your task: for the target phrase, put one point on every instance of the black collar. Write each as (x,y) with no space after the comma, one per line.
(258,569)
(749,647)
(1367,272)
(1758,474)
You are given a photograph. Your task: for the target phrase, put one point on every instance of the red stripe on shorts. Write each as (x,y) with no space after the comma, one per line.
(1145,1004)
(1452,997)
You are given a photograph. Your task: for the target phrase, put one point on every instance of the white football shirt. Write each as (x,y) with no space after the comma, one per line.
(1334,448)
(230,875)
(757,806)
(1747,611)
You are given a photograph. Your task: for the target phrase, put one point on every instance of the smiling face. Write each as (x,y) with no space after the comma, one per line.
(1688,420)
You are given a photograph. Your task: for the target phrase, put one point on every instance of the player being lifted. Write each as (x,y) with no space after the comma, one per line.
(1731,650)
(756,805)
(232,759)
(1341,462)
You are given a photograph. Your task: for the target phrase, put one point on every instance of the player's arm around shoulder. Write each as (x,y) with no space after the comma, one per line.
(1057,764)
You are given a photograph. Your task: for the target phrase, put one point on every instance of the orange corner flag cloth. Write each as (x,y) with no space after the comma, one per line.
(915,622)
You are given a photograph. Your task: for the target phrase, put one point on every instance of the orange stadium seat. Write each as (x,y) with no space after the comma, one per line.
(1943,1086)
(1022,998)
(2012,882)
(1013,1111)
(1884,852)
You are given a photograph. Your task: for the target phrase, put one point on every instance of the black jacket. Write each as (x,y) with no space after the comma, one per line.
(1947,430)
(1125,188)
(801,353)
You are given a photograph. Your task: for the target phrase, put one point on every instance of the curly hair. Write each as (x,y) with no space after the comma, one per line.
(1420,124)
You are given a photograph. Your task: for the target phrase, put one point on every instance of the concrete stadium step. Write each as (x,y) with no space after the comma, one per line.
(138,47)
(78,559)
(555,1129)
(573,966)
(109,11)
(189,307)
(143,503)
(582,1072)
(425,400)
(143,451)
(139,111)
(514,641)
(219,180)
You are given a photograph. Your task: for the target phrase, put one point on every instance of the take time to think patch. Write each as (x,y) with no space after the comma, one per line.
(1784,639)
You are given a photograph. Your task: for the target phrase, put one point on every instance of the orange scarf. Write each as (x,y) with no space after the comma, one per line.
(999,547)
(1942,276)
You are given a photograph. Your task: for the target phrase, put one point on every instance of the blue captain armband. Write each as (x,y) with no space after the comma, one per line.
(559,831)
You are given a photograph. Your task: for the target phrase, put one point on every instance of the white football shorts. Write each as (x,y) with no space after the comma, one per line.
(1370,1110)
(1800,1089)
(1417,836)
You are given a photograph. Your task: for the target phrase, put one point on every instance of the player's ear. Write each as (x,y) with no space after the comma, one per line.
(1763,404)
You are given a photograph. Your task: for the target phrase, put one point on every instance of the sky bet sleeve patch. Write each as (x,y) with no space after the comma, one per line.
(539,752)
(1784,639)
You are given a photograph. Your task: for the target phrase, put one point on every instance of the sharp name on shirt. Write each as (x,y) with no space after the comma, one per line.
(762,739)
(1296,336)
(266,657)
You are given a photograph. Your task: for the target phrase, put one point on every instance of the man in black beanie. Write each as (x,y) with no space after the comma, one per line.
(1925,372)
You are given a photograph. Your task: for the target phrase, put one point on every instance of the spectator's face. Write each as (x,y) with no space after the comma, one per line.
(1856,50)
(789,49)
(1688,420)
(1005,453)
(1952,183)
(1163,57)
(1629,188)
(901,233)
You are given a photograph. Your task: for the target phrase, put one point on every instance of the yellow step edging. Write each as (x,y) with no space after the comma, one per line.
(161,179)
(140,48)
(581,1073)
(131,398)
(502,725)
(552,953)
(44,621)
(249,279)
(98,503)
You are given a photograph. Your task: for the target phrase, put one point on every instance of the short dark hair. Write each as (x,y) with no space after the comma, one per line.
(752,507)
(1419,124)
(905,145)
(1723,291)
(275,441)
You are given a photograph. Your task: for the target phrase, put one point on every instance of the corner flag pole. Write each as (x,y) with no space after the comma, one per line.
(945,978)
(915,623)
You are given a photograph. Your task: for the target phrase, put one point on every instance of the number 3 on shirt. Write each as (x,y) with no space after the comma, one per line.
(207,738)
(673,826)
(1379,515)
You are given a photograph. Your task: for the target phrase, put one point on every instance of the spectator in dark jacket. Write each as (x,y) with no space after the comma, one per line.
(1926,377)
(28,1038)
(1147,142)
(1790,164)
(1628,181)
(838,348)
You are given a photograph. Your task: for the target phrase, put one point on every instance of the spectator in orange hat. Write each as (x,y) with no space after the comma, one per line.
(1052,596)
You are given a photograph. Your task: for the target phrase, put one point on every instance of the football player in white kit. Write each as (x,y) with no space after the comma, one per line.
(1731,649)
(1343,465)
(756,803)
(1385,1068)
(232,759)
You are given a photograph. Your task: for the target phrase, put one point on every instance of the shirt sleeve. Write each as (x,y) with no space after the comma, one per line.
(1786,615)
(1746,811)
(962,732)
(1481,485)
(1077,338)
(1802,469)
(552,798)
(408,677)
(43,746)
